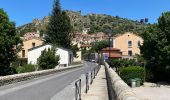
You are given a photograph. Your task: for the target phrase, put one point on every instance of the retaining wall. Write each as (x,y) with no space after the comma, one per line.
(4,80)
(121,89)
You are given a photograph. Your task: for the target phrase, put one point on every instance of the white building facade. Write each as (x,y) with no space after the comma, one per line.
(66,56)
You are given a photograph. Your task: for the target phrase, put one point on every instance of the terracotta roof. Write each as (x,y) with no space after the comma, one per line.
(112,49)
(118,35)
(115,55)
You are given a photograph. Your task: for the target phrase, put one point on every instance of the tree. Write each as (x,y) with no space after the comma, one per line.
(48,59)
(59,29)
(9,41)
(156,47)
(97,46)
(74,49)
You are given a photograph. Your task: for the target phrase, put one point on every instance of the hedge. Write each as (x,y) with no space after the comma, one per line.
(127,73)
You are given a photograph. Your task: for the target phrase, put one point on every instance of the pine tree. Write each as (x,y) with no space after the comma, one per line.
(59,28)
(8,42)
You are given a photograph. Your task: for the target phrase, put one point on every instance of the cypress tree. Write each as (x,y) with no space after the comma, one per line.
(59,28)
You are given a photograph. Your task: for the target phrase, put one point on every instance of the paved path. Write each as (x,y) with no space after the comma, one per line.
(98,89)
(45,87)
(152,93)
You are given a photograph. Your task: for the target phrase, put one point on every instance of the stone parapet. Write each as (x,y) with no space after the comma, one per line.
(4,80)
(121,89)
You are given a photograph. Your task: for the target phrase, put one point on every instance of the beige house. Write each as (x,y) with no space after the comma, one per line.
(128,43)
(27,44)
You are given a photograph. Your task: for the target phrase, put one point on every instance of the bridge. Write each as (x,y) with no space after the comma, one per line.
(88,81)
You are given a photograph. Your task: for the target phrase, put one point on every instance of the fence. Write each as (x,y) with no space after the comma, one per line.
(89,80)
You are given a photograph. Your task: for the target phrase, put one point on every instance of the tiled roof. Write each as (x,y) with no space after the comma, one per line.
(115,55)
(112,49)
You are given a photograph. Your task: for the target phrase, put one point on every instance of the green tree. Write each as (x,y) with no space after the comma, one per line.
(156,47)
(9,41)
(74,49)
(97,46)
(48,59)
(59,29)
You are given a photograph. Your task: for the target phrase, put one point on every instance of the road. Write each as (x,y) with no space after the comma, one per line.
(45,87)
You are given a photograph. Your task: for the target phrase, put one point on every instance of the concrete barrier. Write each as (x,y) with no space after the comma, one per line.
(4,80)
(121,89)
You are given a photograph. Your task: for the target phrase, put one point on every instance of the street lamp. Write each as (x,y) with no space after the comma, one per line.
(109,44)
(144,65)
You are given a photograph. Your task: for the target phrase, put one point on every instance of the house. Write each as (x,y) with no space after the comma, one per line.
(27,44)
(66,56)
(112,53)
(31,35)
(128,43)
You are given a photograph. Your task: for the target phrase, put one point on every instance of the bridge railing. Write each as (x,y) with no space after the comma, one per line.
(120,88)
(88,80)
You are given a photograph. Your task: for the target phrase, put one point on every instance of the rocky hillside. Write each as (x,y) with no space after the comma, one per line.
(93,22)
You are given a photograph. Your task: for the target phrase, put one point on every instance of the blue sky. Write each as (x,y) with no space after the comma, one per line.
(23,11)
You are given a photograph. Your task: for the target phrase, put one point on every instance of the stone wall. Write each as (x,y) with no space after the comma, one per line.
(26,76)
(121,89)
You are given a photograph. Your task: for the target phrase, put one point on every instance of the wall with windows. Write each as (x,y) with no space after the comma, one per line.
(128,43)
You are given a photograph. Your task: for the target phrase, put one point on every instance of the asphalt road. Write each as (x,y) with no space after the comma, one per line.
(45,87)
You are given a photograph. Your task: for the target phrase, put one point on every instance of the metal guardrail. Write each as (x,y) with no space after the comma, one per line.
(93,73)
(89,80)
(78,90)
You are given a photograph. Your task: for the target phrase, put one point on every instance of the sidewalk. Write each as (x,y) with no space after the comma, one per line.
(98,89)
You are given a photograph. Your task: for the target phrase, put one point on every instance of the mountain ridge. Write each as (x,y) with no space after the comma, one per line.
(94,22)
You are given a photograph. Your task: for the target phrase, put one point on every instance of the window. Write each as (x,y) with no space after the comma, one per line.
(129,44)
(23,53)
(130,52)
(138,43)
(33,45)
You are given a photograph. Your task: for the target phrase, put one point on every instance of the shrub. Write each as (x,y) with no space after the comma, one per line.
(48,59)
(114,63)
(128,73)
(19,62)
(121,62)
(26,68)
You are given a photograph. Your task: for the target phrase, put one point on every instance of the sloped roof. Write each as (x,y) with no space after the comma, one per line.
(118,35)
(45,45)
(115,55)
(112,49)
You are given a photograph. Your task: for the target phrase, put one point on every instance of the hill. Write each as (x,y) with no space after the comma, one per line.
(94,22)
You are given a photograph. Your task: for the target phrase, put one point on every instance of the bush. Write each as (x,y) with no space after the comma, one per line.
(48,59)
(114,63)
(128,73)
(121,62)
(19,62)
(26,68)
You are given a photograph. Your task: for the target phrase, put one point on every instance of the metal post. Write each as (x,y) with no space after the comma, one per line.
(87,82)
(109,46)
(91,77)
(78,90)
(94,74)
(144,71)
